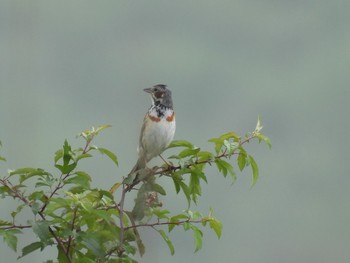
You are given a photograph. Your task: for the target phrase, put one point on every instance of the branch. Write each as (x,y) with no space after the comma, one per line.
(15,227)
(163,170)
(178,223)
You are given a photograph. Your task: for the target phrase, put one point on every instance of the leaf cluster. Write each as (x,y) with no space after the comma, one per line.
(87,224)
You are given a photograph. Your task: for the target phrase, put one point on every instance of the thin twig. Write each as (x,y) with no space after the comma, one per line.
(15,227)
(167,223)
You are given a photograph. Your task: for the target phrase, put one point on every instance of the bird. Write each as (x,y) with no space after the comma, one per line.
(157,131)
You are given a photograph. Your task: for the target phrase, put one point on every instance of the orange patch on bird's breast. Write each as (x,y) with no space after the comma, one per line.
(171,117)
(154,118)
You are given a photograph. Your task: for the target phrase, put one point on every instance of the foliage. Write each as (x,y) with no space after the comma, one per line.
(87,224)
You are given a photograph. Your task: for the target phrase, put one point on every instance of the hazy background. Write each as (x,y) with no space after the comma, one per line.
(68,65)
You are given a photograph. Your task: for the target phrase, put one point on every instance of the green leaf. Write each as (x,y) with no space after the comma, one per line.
(102,127)
(58,155)
(5,189)
(219,142)
(21,171)
(241,160)
(2,159)
(216,225)
(37,172)
(161,214)
(180,143)
(18,209)
(185,153)
(265,139)
(230,146)
(168,241)
(230,135)
(10,238)
(62,258)
(41,229)
(204,155)
(66,153)
(82,156)
(159,189)
(31,247)
(81,179)
(92,243)
(255,169)
(66,169)
(111,155)
(37,195)
(197,234)
(176,219)
(225,167)
(258,125)
(5,223)
(67,156)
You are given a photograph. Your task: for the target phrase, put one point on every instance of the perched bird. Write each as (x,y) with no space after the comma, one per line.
(158,128)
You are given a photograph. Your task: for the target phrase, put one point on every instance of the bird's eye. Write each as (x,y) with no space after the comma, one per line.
(158,94)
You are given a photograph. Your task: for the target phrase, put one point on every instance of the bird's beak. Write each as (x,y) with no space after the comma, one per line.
(148,90)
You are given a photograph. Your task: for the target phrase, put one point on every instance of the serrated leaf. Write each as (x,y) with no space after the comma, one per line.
(10,238)
(216,225)
(255,170)
(41,229)
(180,143)
(168,241)
(30,248)
(225,167)
(81,179)
(111,155)
(21,171)
(230,146)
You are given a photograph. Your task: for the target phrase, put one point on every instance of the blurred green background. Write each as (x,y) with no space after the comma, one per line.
(69,65)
